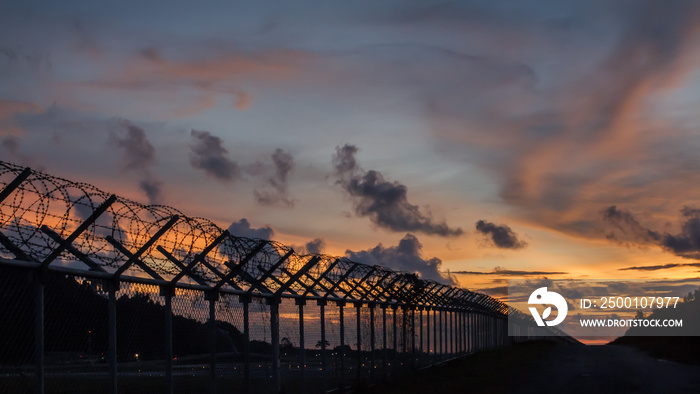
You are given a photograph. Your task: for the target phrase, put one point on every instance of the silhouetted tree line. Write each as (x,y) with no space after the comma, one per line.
(683,348)
(76,323)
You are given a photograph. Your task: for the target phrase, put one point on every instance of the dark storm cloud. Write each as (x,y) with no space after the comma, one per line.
(242,228)
(137,151)
(406,257)
(685,244)
(315,246)
(278,181)
(625,222)
(500,236)
(138,155)
(385,203)
(152,188)
(209,155)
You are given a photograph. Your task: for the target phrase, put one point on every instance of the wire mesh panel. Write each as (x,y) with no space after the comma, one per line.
(289,345)
(313,369)
(422,343)
(140,337)
(75,315)
(412,337)
(333,338)
(402,332)
(17,371)
(229,342)
(260,347)
(192,336)
(366,359)
(351,355)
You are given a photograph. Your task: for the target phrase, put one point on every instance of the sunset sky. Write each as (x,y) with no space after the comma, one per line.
(494,140)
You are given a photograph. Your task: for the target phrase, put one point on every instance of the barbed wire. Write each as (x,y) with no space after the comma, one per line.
(44,210)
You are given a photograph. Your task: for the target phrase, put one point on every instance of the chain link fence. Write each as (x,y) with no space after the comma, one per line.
(103,294)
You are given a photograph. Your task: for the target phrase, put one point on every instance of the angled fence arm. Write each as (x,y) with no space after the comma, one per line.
(72,249)
(181,266)
(369,291)
(426,292)
(239,267)
(434,295)
(342,278)
(15,183)
(75,234)
(317,281)
(308,288)
(269,273)
(357,283)
(200,256)
(274,279)
(14,249)
(239,271)
(394,293)
(220,275)
(314,260)
(388,287)
(134,258)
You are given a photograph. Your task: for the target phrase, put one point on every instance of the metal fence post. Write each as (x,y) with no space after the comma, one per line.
(458,333)
(39,332)
(427,334)
(404,341)
(463,332)
(113,286)
(479,343)
(420,318)
(413,338)
(442,328)
(477,332)
(396,351)
(246,299)
(358,307)
(452,332)
(384,351)
(302,348)
(373,358)
(436,328)
(274,337)
(473,332)
(324,373)
(341,307)
(212,298)
(167,292)
(482,335)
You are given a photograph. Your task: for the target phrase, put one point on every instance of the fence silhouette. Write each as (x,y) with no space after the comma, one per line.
(99,292)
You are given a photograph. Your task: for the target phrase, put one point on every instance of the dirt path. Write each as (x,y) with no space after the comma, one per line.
(549,368)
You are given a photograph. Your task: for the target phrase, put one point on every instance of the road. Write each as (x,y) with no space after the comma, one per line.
(608,369)
(550,368)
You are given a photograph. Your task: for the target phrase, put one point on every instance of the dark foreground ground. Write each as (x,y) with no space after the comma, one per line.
(545,367)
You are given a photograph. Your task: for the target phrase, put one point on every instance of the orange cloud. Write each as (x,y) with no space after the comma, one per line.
(209,78)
